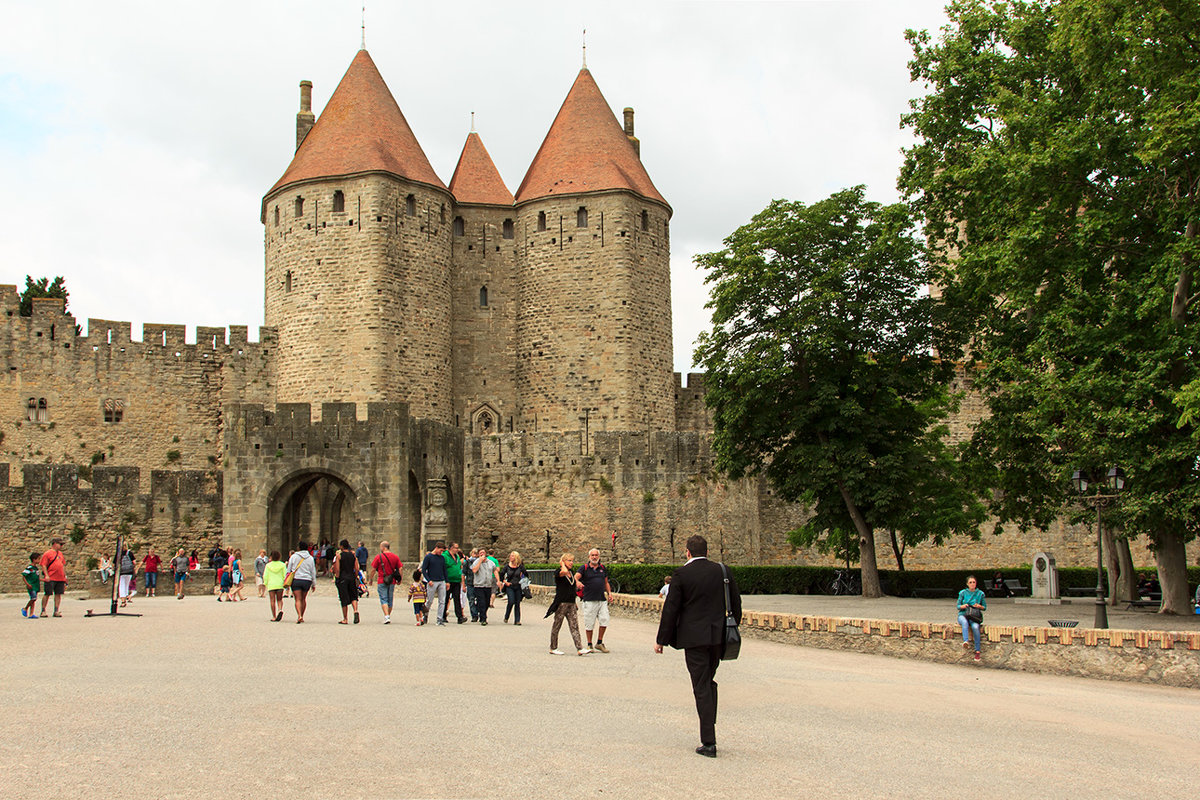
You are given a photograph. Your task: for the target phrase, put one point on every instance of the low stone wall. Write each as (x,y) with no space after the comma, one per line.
(199,582)
(1164,657)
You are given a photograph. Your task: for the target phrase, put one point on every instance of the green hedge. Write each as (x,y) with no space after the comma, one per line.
(648,578)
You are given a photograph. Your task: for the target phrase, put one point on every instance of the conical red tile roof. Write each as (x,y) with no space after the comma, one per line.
(586,150)
(361,130)
(476,179)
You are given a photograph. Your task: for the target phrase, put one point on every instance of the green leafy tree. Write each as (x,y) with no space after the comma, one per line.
(42,287)
(1057,167)
(820,370)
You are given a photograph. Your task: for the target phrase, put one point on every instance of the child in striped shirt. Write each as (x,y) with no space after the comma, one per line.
(417,595)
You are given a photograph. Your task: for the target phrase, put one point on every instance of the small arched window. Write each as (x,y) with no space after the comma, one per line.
(645,220)
(299,206)
(541,220)
(485,422)
(276,216)
(31,410)
(43,410)
(581,217)
(410,205)
(339,201)
(483,299)
(460,227)
(508,229)
(114,410)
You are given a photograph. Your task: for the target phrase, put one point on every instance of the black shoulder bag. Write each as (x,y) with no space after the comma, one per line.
(732,643)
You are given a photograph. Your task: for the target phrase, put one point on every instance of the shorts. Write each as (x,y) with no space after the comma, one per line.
(593,611)
(347,592)
(258,580)
(54,587)
(418,609)
(299,585)
(180,577)
(33,593)
(151,580)
(386,593)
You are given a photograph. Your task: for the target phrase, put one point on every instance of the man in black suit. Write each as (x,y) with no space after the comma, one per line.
(693,620)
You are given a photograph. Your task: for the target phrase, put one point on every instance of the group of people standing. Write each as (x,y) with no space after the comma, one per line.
(471,580)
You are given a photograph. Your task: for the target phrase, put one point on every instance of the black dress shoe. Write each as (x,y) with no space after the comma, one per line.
(709,750)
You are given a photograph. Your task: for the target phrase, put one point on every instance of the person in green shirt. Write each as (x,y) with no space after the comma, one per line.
(971,599)
(273,574)
(454,559)
(33,584)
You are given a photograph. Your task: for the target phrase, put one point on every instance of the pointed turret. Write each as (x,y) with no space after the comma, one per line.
(476,180)
(361,130)
(586,150)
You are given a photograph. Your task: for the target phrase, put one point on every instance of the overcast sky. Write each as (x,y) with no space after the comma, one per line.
(137,139)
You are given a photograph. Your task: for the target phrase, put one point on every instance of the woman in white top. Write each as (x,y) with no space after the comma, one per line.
(305,568)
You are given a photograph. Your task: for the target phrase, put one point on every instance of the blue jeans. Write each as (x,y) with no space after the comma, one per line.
(973,627)
(471,602)
(514,602)
(151,580)
(386,593)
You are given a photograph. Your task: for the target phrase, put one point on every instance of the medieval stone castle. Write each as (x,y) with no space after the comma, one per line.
(438,362)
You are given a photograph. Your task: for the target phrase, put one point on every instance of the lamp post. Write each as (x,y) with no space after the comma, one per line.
(1115,481)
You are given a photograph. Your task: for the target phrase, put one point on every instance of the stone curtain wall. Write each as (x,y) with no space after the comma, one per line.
(484,347)
(170,392)
(179,508)
(594,315)
(361,297)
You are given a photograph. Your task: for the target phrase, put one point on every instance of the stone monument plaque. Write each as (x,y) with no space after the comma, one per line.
(1043,577)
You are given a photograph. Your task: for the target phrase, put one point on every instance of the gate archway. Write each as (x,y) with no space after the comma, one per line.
(311,506)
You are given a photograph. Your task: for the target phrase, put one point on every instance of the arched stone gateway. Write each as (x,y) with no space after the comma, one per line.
(289,478)
(311,507)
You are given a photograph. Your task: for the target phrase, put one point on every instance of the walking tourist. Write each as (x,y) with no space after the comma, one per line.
(273,574)
(417,595)
(971,604)
(180,565)
(433,567)
(563,606)
(150,571)
(260,564)
(454,581)
(33,583)
(303,567)
(345,578)
(387,567)
(485,576)
(692,620)
(239,578)
(128,574)
(54,575)
(596,593)
(511,579)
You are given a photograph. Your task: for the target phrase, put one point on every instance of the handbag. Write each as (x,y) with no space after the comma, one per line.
(732,641)
(973,614)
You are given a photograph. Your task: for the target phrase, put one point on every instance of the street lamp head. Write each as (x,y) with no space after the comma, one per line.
(1116,479)
(1079,481)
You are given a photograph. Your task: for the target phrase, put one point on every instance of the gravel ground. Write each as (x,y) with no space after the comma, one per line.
(200,699)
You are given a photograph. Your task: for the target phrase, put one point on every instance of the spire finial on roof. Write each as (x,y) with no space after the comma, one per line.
(472,122)
(585,48)
(364,26)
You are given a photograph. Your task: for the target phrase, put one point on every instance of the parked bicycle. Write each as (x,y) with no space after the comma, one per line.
(845,582)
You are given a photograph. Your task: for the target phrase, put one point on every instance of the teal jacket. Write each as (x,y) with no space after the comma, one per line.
(970,598)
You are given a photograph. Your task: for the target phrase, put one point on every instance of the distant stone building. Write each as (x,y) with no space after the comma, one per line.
(438,361)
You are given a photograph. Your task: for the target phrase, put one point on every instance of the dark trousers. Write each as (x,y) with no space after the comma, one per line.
(514,602)
(483,598)
(455,590)
(702,663)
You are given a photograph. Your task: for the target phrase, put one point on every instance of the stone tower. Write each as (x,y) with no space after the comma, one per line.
(593,328)
(358,258)
(484,294)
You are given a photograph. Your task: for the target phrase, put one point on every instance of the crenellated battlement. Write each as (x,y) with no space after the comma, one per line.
(110,483)
(294,422)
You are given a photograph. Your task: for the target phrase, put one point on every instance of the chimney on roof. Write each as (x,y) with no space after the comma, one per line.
(633,140)
(304,117)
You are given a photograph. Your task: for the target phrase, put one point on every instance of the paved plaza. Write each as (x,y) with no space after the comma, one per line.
(200,699)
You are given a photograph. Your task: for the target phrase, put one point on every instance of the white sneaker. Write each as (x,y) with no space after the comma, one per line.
(585,652)
(556,652)
(387,620)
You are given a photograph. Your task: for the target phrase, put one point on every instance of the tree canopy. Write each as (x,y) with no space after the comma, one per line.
(1057,170)
(821,374)
(42,287)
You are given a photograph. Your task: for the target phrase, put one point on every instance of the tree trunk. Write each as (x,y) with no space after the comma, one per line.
(898,549)
(1127,584)
(866,547)
(1112,564)
(1172,573)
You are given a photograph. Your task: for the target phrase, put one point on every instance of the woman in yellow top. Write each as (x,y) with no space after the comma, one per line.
(273,574)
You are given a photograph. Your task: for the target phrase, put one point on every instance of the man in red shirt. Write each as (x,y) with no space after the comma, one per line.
(54,575)
(386,566)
